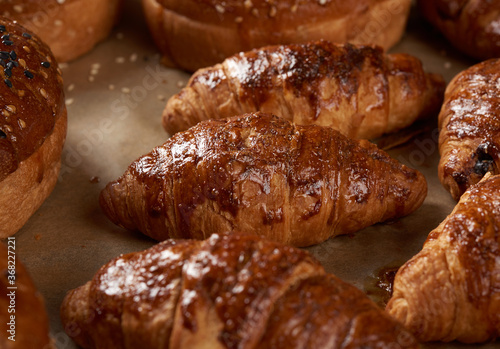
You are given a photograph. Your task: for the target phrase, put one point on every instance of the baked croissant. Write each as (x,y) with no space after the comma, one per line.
(451,289)
(260,173)
(469,139)
(358,90)
(25,324)
(230,291)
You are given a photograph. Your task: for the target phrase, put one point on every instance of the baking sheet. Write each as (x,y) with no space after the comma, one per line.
(115,97)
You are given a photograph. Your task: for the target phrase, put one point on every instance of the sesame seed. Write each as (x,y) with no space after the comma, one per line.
(6,37)
(255,12)
(220,8)
(70,101)
(21,123)
(28,74)
(294,8)
(120,60)
(238,19)
(91,78)
(248,4)
(18,8)
(2,135)
(13,55)
(111,87)
(8,42)
(95,66)
(45,64)
(8,73)
(94,72)
(161,98)
(27,35)
(61,1)
(44,74)
(71,87)
(11,108)
(27,49)
(7,128)
(21,93)
(322,2)
(273,11)
(58,23)
(63,65)
(133,57)
(4,55)
(8,83)
(22,62)
(2,28)
(44,93)
(125,90)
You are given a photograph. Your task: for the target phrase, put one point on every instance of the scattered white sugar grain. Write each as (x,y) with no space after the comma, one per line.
(111,87)
(447,65)
(162,98)
(133,57)
(125,90)
(120,60)
(91,78)
(119,35)
(69,101)
(71,87)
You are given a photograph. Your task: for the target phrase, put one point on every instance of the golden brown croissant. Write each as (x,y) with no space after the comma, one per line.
(259,173)
(470,25)
(230,291)
(469,139)
(25,324)
(451,289)
(358,90)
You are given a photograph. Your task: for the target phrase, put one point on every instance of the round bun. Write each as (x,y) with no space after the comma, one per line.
(70,27)
(471,26)
(32,124)
(197,33)
(31,328)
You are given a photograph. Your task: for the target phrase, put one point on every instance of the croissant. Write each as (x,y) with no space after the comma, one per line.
(358,90)
(230,291)
(260,173)
(25,324)
(469,123)
(451,289)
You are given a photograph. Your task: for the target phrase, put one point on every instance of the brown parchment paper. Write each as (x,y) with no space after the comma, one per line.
(115,96)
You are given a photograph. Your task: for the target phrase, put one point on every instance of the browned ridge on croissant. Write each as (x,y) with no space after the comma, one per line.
(469,140)
(260,173)
(451,289)
(230,291)
(358,90)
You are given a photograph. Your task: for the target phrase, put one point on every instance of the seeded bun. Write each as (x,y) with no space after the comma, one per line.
(70,27)
(197,33)
(32,124)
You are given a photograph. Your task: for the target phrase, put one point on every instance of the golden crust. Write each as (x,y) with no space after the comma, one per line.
(71,27)
(358,90)
(192,34)
(230,291)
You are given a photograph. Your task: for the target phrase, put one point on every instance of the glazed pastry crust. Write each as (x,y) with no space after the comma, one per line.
(449,290)
(358,90)
(259,173)
(230,291)
(70,27)
(470,25)
(31,321)
(469,121)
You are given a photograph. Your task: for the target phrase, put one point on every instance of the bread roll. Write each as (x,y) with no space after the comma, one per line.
(230,291)
(197,33)
(32,125)
(25,324)
(470,25)
(70,27)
